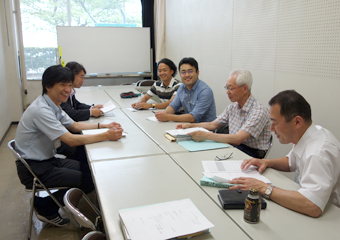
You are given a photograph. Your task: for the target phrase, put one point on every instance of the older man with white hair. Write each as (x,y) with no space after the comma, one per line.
(248,120)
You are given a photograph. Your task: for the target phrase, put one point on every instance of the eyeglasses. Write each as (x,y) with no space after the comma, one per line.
(190,72)
(224,157)
(231,89)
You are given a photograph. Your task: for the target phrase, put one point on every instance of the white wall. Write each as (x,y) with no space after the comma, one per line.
(10,97)
(287,44)
(4,108)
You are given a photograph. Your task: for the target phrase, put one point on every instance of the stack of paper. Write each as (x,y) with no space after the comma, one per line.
(225,171)
(181,134)
(164,221)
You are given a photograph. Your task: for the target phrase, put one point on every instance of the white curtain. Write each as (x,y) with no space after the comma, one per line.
(159,11)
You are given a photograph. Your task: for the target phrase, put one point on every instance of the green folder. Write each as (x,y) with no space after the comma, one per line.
(193,146)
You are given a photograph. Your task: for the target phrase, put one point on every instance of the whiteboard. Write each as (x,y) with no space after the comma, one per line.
(106,49)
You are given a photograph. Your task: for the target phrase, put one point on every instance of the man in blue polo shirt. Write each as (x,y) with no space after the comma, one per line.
(41,128)
(194,95)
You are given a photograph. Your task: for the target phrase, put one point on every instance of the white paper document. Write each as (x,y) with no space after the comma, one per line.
(181,132)
(107,107)
(164,220)
(228,170)
(109,114)
(153,119)
(97,131)
(132,109)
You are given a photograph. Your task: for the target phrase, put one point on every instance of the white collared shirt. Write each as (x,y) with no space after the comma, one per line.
(73,92)
(316,161)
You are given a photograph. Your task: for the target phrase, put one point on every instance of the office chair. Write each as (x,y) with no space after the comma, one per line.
(71,200)
(37,187)
(270,146)
(94,235)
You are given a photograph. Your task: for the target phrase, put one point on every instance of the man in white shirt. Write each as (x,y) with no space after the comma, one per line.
(315,158)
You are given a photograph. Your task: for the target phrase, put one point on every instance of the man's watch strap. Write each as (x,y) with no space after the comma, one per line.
(154,105)
(268,192)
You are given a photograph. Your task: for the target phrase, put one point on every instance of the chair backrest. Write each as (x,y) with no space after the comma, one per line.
(145,82)
(144,85)
(71,200)
(94,235)
(11,146)
(270,146)
(17,156)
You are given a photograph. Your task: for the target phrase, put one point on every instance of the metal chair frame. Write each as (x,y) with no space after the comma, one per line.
(270,146)
(37,187)
(143,86)
(71,200)
(94,235)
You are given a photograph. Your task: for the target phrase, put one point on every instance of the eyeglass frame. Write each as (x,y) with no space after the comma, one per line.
(224,157)
(190,72)
(232,89)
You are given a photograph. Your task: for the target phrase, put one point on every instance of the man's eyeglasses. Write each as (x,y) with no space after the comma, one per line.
(190,72)
(231,89)
(224,157)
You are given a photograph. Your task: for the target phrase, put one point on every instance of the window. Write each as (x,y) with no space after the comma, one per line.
(40,18)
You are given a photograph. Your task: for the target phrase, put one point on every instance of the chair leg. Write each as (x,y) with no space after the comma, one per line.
(31,210)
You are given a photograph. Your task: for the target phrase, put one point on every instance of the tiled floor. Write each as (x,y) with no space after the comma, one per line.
(14,205)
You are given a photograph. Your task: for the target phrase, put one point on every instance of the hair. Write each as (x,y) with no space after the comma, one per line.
(191,61)
(244,77)
(75,67)
(292,104)
(56,74)
(170,64)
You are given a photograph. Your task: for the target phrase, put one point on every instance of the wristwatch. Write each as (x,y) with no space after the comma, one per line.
(268,192)
(153,105)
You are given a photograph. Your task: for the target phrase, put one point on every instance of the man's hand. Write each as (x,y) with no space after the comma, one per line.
(162,116)
(141,105)
(115,134)
(183,126)
(260,163)
(199,136)
(247,183)
(95,112)
(98,106)
(112,125)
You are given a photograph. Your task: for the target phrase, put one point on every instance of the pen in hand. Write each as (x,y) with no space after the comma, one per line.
(153,112)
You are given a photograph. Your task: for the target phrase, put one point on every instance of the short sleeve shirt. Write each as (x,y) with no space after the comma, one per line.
(164,93)
(40,126)
(252,118)
(316,162)
(198,101)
